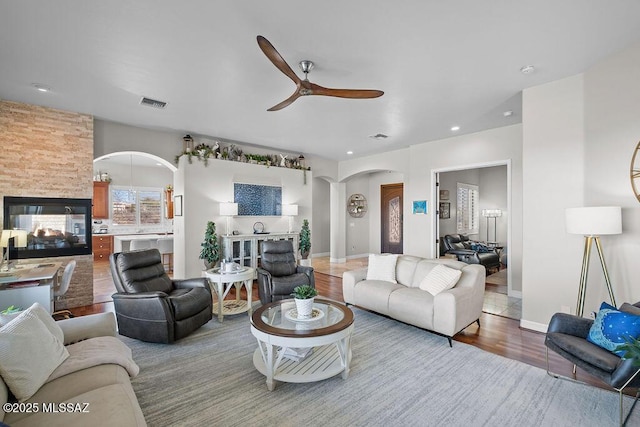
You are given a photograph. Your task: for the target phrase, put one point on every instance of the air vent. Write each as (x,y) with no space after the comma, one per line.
(152,102)
(379,136)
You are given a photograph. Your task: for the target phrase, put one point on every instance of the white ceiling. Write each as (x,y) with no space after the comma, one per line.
(440,63)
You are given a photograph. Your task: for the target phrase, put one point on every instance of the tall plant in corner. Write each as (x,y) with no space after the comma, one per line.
(210,252)
(305,239)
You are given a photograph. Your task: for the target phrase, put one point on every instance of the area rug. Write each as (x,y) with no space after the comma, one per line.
(400,376)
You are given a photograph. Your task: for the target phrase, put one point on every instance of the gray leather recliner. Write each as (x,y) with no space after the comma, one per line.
(279,272)
(152,307)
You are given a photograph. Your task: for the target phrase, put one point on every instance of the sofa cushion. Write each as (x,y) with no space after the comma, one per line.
(439,279)
(382,267)
(413,306)
(406,268)
(29,353)
(612,328)
(113,404)
(374,294)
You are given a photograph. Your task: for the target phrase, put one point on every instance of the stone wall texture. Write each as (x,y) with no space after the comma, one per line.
(49,153)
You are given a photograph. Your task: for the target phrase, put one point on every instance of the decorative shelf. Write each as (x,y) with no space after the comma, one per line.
(357,205)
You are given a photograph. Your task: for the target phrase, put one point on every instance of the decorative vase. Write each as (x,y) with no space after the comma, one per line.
(304,307)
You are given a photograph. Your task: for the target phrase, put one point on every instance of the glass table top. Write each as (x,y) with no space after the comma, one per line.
(280,318)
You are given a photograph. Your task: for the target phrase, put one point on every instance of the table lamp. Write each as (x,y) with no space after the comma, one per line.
(8,239)
(228,209)
(290,211)
(593,222)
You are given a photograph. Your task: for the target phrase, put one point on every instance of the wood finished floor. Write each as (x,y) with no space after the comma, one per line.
(498,335)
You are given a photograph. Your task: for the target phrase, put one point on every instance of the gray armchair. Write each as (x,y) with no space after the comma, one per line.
(567,336)
(279,272)
(149,305)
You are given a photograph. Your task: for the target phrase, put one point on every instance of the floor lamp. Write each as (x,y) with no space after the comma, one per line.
(492,213)
(290,211)
(593,222)
(228,209)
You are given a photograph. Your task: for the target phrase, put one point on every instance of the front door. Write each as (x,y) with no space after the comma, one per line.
(391,218)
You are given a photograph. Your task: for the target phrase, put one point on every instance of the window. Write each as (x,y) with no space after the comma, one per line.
(136,206)
(468,215)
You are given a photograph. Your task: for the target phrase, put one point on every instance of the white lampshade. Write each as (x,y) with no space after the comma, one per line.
(594,221)
(290,210)
(228,209)
(19,241)
(491,213)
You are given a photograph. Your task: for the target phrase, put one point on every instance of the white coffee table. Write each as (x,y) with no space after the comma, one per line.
(329,335)
(221,283)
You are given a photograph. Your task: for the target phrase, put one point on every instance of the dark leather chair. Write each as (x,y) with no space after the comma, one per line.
(149,305)
(567,336)
(461,246)
(279,272)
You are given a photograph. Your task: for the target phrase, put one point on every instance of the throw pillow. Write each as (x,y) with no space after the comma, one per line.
(382,267)
(439,279)
(29,353)
(612,327)
(46,318)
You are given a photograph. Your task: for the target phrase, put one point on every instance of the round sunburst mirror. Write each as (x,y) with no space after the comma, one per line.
(635,172)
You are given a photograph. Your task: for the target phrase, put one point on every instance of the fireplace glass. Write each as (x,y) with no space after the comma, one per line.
(54,226)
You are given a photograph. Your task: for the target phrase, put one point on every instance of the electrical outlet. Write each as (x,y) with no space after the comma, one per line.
(353,248)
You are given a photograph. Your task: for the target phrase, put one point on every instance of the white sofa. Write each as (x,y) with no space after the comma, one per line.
(446,313)
(94,396)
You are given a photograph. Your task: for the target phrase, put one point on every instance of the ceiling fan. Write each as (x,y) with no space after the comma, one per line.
(305,87)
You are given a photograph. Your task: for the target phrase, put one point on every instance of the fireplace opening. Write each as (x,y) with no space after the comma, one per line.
(54,226)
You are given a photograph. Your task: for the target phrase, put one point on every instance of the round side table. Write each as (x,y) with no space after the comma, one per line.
(221,284)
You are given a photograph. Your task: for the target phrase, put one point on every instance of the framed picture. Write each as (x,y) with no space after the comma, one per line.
(444,194)
(177,205)
(445,210)
(420,207)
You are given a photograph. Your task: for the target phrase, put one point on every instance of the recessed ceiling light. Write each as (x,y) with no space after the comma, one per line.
(527,69)
(379,136)
(455,128)
(349,152)
(41,87)
(158,164)
(508,113)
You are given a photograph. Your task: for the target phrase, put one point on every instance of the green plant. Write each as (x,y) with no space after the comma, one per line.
(305,239)
(210,250)
(11,309)
(304,292)
(631,349)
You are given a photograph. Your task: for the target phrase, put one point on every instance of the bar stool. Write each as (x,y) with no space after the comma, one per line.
(139,244)
(165,247)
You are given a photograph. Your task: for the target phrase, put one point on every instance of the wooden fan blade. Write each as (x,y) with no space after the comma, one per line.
(345,93)
(277,59)
(286,102)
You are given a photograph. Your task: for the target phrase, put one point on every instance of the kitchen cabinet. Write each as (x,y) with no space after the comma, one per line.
(102,247)
(100,208)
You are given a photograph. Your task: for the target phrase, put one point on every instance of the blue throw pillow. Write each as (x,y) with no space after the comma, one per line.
(613,327)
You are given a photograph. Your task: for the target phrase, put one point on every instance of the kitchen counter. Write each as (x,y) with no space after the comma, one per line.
(122,242)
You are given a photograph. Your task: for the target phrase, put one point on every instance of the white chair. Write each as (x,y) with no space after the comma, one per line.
(165,247)
(61,288)
(139,244)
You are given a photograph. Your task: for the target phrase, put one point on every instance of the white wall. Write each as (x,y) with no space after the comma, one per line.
(357,229)
(321,230)
(493,195)
(205,187)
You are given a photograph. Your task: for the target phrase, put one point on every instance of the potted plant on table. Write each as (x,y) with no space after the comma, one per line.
(305,243)
(303,296)
(210,252)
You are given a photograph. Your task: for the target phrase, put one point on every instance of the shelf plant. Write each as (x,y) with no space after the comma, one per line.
(210,252)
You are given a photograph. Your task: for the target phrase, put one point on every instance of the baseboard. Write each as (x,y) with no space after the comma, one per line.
(321,254)
(358,256)
(534,326)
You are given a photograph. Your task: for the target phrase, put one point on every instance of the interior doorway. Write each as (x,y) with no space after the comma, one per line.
(391,216)
(492,224)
